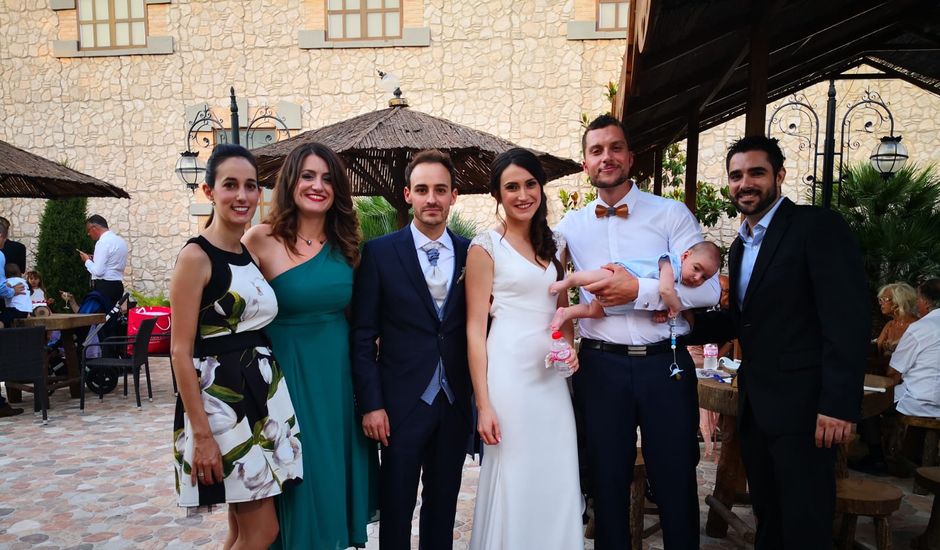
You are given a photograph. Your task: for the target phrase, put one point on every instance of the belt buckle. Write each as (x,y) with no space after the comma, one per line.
(636,351)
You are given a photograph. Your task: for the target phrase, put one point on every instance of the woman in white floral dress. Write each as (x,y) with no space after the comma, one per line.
(236,438)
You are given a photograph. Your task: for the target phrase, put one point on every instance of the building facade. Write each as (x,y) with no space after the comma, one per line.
(111,85)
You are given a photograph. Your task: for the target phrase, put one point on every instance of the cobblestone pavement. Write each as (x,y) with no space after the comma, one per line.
(104,480)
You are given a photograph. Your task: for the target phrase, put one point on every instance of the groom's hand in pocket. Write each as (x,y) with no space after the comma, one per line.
(375,426)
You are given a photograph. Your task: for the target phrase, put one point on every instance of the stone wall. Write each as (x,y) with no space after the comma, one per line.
(502,66)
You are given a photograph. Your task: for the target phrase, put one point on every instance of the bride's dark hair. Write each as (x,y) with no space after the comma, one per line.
(539,233)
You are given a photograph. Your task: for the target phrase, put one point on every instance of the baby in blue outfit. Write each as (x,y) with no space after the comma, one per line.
(695,266)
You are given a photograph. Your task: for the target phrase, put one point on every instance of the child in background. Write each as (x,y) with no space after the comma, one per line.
(18,306)
(37,292)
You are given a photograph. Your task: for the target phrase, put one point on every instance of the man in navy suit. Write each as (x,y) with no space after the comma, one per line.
(799,307)
(409,359)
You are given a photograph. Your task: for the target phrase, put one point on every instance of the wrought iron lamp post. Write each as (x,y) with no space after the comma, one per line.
(875,116)
(189,168)
(889,156)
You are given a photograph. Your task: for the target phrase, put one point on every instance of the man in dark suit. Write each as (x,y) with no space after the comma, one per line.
(409,359)
(799,307)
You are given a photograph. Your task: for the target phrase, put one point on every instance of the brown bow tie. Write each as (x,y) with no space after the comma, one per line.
(602,211)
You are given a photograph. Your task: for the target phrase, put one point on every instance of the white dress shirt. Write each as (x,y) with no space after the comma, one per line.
(655,225)
(445,262)
(917,358)
(109,258)
(20,302)
(751,240)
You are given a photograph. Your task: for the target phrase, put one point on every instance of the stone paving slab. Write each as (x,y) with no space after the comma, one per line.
(104,480)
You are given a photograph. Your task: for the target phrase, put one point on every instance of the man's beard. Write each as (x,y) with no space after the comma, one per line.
(616,183)
(763,204)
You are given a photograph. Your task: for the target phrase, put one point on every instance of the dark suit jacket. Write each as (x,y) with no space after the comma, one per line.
(805,324)
(15,253)
(391,302)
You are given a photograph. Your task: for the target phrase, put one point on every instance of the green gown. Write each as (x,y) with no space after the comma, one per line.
(310,335)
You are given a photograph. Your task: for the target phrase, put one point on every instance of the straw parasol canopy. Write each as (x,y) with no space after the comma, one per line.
(377,147)
(25,175)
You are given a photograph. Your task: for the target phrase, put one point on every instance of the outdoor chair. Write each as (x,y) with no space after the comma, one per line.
(21,360)
(122,365)
(168,355)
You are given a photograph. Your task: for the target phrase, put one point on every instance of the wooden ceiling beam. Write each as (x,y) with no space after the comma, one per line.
(823,56)
(693,44)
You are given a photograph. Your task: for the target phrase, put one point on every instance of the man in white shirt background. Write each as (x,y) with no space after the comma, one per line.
(106,265)
(916,362)
(624,381)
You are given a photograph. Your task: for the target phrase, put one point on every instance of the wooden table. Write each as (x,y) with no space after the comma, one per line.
(730,479)
(67,324)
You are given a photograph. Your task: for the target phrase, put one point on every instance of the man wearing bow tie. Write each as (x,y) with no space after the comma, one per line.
(409,359)
(626,378)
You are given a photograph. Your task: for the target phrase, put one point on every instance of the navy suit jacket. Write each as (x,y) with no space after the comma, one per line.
(397,336)
(804,326)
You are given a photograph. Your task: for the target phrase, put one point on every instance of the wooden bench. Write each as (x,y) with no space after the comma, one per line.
(931,427)
(863,497)
(929,478)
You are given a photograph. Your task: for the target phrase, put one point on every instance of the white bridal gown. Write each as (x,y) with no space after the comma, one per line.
(529,494)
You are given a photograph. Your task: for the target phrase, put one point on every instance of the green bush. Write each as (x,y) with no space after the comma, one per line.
(144,300)
(61,233)
(897,222)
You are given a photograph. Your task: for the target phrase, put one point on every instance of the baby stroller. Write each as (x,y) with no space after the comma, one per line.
(101,380)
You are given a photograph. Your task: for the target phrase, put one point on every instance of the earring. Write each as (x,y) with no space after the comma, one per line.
(212,203)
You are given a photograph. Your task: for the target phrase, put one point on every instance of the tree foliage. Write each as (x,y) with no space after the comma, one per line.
(377,217)
(61,233)
(897,222)
(710,201)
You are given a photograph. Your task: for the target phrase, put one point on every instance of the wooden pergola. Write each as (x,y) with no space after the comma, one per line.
(689,66)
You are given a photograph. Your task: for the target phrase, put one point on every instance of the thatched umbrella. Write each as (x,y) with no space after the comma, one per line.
(377,147)
(25,175)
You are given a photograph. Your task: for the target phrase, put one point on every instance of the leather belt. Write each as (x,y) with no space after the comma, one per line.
(632,351)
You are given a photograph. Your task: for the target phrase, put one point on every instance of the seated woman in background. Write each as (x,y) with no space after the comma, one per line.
(899,302)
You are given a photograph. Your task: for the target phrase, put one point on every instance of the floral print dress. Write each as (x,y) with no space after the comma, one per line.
(243,390)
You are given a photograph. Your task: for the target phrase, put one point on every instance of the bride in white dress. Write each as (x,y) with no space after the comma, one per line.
(529,494)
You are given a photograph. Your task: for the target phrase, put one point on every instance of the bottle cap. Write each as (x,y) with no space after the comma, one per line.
(556,335)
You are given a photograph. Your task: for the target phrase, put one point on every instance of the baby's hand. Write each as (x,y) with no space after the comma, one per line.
(557,287)
(660,316)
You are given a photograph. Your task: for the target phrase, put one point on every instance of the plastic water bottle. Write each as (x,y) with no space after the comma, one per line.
(711,356)
(561,351)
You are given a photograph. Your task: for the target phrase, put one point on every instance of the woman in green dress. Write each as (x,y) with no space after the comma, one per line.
(307,249)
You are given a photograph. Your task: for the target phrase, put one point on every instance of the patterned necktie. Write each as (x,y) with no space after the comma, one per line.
(602,211)
(437,281)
